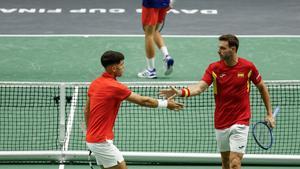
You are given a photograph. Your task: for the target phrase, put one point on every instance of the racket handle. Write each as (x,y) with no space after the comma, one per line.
(276,111)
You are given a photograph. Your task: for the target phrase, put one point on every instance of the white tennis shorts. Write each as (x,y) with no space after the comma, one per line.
(233,139)
(106,153)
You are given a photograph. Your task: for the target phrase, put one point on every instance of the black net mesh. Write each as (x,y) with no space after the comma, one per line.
(29,120)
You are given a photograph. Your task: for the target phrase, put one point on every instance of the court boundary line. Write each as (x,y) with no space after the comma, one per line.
(141,35)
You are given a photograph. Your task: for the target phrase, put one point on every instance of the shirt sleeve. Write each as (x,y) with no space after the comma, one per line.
(207,77)
(255,75)
(122,92)
(90,90)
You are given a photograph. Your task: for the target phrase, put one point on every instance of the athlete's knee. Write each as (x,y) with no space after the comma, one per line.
(122,165)
(149,30)
(235,162)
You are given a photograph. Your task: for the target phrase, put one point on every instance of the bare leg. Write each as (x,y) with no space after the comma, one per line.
(149,41)
(235,160)
(225,160)
(168,60)
(150,72)
(158,39)
(121,165)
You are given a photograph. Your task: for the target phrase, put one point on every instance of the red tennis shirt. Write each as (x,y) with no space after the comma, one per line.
(106,95)
(231,86)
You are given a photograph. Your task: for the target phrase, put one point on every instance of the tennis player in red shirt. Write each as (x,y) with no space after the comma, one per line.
(153,16)
(105,95)
(231,77)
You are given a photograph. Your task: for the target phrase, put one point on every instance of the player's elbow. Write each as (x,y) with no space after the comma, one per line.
(262,87)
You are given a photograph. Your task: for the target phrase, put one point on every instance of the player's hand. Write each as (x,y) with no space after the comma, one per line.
(169,93)
(173,105)
(270,121)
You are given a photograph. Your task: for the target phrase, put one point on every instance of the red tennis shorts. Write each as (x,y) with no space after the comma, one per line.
(153,16)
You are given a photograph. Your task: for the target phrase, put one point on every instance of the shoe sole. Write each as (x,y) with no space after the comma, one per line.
(170,67)
(154,77)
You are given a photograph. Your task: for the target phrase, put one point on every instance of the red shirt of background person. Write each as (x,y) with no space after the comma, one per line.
(231,86)
(153,16)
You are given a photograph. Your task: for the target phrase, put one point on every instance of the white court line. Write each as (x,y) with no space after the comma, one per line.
(70,122)
(141,35)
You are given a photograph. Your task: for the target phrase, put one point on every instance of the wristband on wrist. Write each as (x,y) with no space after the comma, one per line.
(162,103)
(185,92)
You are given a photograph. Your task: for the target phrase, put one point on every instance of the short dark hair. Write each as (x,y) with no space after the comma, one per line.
(231,39)
(111,57)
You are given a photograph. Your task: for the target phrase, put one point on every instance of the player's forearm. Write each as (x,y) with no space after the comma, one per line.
(266,98)
(197,89)
(142,100)
(148,102)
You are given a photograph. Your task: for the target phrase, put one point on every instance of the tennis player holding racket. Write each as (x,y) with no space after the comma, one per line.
(231,77)
(153,17)
(105,95)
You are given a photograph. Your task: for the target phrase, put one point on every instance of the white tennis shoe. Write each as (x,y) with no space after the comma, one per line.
(150,74)
(168,63)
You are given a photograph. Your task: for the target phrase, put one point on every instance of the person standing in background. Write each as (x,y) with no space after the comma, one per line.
(153,15)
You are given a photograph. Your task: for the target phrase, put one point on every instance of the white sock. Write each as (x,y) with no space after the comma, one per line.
(151,63)
(164,51)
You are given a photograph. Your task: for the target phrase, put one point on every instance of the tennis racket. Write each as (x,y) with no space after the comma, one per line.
(263,134)
(161,25)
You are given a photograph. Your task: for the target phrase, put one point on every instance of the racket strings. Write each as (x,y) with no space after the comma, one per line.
(263,135)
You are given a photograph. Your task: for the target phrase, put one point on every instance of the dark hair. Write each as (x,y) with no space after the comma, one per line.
(111,57)
(231,39)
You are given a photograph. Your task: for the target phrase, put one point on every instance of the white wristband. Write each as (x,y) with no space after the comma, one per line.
(162,103)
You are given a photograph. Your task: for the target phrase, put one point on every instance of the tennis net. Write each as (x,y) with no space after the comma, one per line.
(48,117)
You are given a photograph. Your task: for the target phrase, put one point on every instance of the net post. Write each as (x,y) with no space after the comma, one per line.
(62,105)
